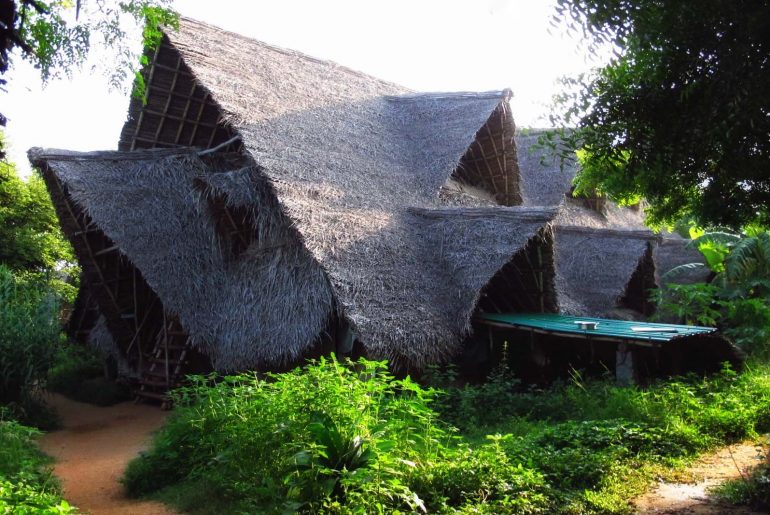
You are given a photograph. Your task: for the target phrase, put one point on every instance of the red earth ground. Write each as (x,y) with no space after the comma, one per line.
(92,450)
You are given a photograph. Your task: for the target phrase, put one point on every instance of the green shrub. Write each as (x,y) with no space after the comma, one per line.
(72,364)
(738,298)
(485,480)
(26,482)
(748,325)
(29,332)
(78,373)
(474,405)
(587,438)
(335,438)
(695,304)
(327,438)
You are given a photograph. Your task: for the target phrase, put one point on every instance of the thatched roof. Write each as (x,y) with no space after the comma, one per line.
(674,251)
(546,181)
(348,156)
(596,251)
(595,266)
(149,205)
(391,208)
(409,283)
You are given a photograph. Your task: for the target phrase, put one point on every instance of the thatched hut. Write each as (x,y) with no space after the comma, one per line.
(352,203)
(331,211)
(174,244)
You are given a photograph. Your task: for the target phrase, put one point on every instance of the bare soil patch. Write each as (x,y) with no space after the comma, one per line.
(693,498)
(93,449)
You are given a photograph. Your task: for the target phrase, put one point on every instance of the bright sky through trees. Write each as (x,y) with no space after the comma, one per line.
(427,45)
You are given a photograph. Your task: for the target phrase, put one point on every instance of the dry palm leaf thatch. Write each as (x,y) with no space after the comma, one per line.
(261,308)
(411,286)
(595,266)
(598,252)
(347,155)
(675,251)
(356,196)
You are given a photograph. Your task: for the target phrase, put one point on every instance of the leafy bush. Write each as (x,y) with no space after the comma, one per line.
(694,304)
(326,438)
(589,438)
(26,482)
(486,479)
(748,324)
(738,299)
(29,332)
(78,373)
(745,320)
(336,438)
(474,405)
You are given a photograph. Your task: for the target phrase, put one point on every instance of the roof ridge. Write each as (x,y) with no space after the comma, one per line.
(502,94)
(618,232)
(286,51)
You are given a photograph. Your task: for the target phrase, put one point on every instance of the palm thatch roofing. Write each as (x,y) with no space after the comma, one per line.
(603,253)
(359,166)
(355,198)
(154,207)
(675,251)
(410,287)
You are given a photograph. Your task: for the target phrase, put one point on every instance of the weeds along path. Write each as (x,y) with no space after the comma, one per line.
(693,498)
(92,450)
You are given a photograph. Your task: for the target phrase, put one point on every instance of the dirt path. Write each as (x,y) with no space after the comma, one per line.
(92,450)
(693,498)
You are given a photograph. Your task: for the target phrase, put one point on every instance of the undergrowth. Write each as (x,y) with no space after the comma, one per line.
(78,373)
(330,438)
(29,334)
(27,484)
(342,438)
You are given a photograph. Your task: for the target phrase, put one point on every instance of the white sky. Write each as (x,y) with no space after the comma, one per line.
(426,45)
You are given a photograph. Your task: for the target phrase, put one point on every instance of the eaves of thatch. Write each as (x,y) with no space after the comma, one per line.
(157,211)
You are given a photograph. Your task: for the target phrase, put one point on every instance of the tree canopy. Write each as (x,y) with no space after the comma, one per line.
(30,238)
(57,36)
(681,113)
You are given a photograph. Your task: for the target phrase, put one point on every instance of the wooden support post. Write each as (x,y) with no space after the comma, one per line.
(540,285)
(624,365)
